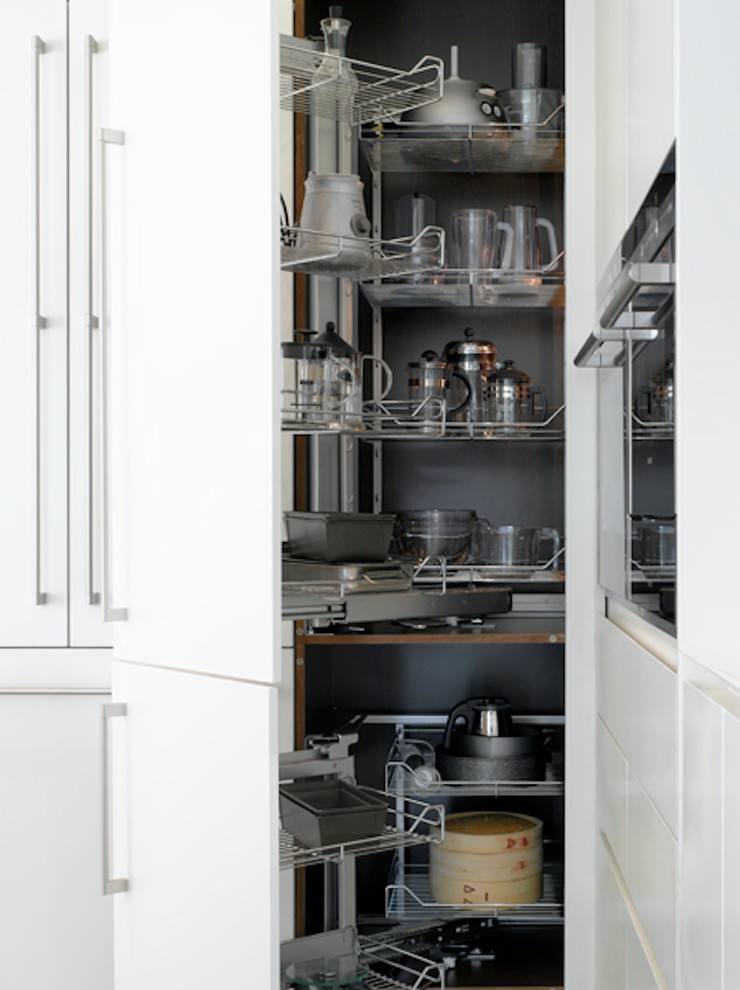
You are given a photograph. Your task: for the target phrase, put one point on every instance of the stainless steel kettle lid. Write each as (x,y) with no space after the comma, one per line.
(508,372)
(470,347)
(338,345)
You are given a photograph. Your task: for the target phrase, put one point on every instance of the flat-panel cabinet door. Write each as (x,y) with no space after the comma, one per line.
(33,322)
(88,93)
(57,928)
(195,831)
(194,339)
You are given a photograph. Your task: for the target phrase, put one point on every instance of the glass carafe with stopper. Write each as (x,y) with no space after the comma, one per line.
(335,83)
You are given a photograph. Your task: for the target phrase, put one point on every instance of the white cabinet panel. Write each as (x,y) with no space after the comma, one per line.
(611,128)
(33,452)
(701,853)
(731,866)
(57,928)
(637,700)
(650,109)
(708,217)
(639,974)
(195,337)
(612,922)
(200,807)
(651,878)
(88,64)
(611,782)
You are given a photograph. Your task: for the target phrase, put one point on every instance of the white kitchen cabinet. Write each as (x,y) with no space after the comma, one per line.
(709,213)
(195,831)
(650,114)
(46,495)
(57,929)
(194,347)
(610,82)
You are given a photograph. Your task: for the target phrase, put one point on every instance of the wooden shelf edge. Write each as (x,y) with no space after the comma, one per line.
(429,639)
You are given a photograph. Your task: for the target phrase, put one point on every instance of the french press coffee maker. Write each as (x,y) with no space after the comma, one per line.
(328,379)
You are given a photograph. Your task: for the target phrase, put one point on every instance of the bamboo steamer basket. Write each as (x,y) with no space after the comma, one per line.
(487,858)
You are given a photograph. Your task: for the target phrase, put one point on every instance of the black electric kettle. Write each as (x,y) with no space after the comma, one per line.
(484,718)
(481,743)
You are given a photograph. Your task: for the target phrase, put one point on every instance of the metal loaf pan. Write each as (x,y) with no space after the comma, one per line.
(339,536)
(327,812)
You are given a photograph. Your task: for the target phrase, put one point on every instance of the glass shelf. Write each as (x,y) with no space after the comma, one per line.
(417,147)
(351,91)
(530,290)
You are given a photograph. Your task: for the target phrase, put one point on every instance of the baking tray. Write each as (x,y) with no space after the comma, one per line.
(323,812)
(339,536)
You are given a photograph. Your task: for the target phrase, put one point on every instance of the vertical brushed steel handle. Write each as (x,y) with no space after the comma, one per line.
(111,885)
(91,320)
(110,614)
(38,49)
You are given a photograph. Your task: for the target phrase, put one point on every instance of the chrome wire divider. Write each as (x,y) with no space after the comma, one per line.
(398,419)
(407,970)
(429,573)
(352,91)
(651,573)
(651,430)
(409,896)
(317,252)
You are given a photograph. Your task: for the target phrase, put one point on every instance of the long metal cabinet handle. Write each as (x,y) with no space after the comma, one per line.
(111,885)
(91,320)
(38,48)
(109,614)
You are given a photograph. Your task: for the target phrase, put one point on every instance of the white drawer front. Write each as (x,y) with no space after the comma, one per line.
(611,799)
(701,858)
(651,877)
(637,699)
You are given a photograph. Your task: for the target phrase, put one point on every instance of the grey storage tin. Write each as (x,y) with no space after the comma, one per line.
(339,536)
(326,812)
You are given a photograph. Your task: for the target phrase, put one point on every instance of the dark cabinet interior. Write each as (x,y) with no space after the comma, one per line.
(519,482)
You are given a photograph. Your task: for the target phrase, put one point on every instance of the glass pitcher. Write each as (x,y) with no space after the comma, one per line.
(526,252)
(344,385)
